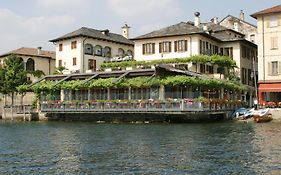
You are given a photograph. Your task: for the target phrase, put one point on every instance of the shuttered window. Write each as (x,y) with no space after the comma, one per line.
(60,63)
(274,68)
(274,42)
(74,61)
(148,48)
(181,45)
(60,47)
(165,47)
(73,44)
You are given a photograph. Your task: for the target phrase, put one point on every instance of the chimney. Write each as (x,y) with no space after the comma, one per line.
(39,50)
(105,32)
(215,20)
(205,28)
(125,31)
(196,19)
(242,16)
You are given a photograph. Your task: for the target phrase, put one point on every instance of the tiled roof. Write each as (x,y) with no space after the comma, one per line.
(97,34)
(275,9)
(235,18)
(32,52)
(182,28)
(215,31)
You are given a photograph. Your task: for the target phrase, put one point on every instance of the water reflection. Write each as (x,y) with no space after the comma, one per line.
(87,148)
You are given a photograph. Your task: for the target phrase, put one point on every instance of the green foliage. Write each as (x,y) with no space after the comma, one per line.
(192,81)
(14,75)
(22,89)
(101,83)
(45,86)
(59,70)
(74,85)
(222,61)
(37,73)
(142,82)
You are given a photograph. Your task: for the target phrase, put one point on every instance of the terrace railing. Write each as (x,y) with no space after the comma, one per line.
(175,106)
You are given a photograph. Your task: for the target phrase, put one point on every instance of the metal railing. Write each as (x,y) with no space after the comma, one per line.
(19,109)
(178,106)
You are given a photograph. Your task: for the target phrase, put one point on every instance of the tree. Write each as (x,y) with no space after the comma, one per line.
(60,69)
(13,75)
(37,73)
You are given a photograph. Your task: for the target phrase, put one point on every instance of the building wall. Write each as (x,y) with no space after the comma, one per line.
(44,64)
(266,53)
(242,27)
(192,47)
(67,54)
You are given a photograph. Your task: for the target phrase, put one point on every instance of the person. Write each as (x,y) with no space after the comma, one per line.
(255,104)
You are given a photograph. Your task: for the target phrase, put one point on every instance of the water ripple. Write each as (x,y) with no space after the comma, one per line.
(87,148)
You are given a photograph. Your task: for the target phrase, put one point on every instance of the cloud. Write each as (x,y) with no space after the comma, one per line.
(139,9)
(64,5)
(19,31)
(149,15)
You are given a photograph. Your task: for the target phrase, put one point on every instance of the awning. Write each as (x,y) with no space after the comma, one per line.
(270,87)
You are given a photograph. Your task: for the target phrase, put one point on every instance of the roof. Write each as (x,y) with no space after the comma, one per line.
(32,52)
(182,28)
(96,34)
(275,9)
(214,31)
(235,18)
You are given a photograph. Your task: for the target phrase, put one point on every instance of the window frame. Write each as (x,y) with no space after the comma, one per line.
(73,45)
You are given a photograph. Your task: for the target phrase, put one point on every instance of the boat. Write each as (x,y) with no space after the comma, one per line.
(262,115)
(243,114)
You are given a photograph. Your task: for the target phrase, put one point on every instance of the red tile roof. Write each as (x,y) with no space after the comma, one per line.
(275,9)
(32,52)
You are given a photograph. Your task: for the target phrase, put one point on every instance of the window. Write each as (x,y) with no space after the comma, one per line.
(74,61)
(250,75)
(73,44)
(273,21)
(107,51)
(89,49)
(181,45)
(30,65)
(129,53)
(165,47)
(274,68)
(148,48)
(92,64)
(252,38)
(244,75)
(121,52)
(98,50)
(209,69)
(60,47)
(274,42)
(228,51)
(60,63)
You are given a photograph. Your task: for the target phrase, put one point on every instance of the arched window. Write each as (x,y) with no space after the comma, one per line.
(129,53)
(107,51)
(121,52)
(22,62)
(30,65)
(89,49)
(98,50)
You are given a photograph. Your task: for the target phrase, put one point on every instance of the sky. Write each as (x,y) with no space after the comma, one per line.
(32,23)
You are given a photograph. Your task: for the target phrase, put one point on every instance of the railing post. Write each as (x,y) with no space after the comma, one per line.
(24,113)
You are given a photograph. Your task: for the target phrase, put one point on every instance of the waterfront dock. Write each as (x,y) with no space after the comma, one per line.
(174,112)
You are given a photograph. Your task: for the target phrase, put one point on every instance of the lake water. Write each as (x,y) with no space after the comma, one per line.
(88,148)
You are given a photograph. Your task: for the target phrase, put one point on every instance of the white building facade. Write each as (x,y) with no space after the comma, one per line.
(85,49)
(185,39)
